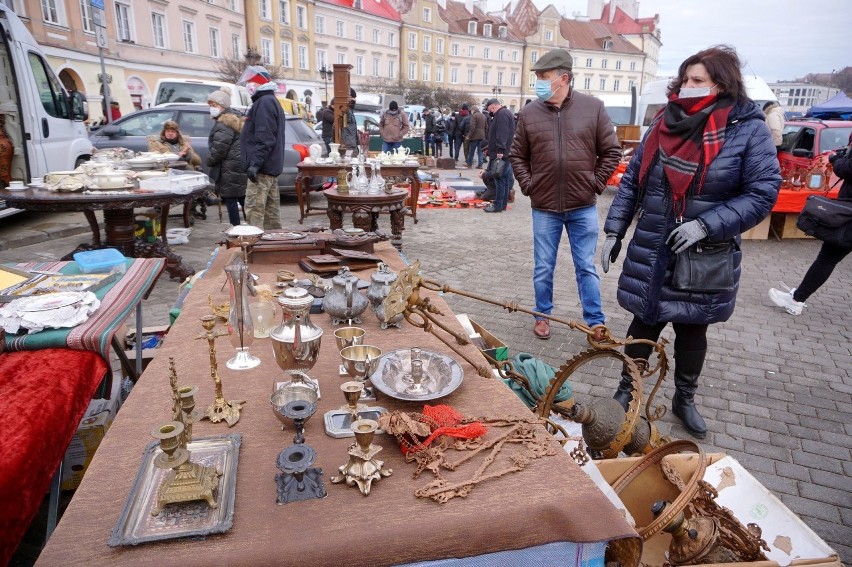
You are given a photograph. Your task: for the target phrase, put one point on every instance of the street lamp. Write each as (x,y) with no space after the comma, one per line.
(252,56)
(496,91)
(326,74)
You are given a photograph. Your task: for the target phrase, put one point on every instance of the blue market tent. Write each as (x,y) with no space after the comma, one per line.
(838,107)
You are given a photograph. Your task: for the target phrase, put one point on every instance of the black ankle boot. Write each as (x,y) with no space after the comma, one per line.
(688,365)
(625,387)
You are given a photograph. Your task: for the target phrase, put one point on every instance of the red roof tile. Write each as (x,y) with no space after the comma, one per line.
(380,8)
(625,24)
(590,35)
(456,16)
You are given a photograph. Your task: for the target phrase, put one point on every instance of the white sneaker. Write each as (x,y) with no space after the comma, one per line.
(785,299)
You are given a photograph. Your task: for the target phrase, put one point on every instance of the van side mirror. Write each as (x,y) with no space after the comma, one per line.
(78,106)
(803,153)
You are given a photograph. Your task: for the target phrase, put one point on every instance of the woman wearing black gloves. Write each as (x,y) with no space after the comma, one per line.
(706,172)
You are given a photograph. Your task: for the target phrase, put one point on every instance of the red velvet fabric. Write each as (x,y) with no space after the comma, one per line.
(43,396)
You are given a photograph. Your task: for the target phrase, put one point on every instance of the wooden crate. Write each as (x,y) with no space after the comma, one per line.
(759,232)
(784,226)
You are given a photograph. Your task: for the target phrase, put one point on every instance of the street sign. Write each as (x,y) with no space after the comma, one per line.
(98,18)
(101,37)
(99,4)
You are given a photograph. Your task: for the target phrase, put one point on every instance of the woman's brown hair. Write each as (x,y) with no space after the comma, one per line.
(722,64)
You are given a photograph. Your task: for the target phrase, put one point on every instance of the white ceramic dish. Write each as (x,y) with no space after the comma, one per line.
(49,301)
(16,188)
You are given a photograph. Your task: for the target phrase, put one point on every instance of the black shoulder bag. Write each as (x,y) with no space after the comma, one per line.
(827,219)
(705,267)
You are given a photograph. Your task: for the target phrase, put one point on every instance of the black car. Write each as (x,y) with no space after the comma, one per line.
(131,131)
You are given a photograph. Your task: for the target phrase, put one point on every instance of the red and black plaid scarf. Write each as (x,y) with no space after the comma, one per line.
(689,136)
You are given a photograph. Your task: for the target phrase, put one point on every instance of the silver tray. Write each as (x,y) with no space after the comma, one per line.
(441,375)
(191,519)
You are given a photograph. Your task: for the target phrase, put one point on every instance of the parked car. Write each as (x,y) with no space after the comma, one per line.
(131,131)
(371,119)
(807,140)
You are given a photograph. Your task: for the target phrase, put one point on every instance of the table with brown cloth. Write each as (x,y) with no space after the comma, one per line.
(551,500)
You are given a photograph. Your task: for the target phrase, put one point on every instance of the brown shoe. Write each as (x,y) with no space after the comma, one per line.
(541,329)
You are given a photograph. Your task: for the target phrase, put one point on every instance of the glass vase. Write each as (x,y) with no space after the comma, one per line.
(240,327)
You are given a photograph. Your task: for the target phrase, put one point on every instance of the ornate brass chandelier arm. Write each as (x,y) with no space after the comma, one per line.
(426,321)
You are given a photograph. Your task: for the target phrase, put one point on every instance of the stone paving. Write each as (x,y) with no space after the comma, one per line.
(776,390)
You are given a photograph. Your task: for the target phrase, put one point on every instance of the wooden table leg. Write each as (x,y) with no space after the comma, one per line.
(120,231)
(397,226)
(364,220)
(301,198)
(93,224)
(335,219)
(412,198)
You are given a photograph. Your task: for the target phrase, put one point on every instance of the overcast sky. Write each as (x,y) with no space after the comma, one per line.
(776,39)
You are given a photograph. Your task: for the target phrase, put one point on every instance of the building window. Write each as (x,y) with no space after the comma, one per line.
(427,43)
(303,57)
(359,65)
(502,33)
(301,18)
(214,43)
(630,84)
(485,77)
(471,51)
(123,22)
(235,46)
(471,28)
(534,56)
(486,53)
(322,58)
(500,54)
(412,71)
(439,74)
(319,24)
(427,14)
(470,76)
(454,75)
(188,36)
(341,28)
(158,28)
(341,58)
(531,80)
(633,65)
(515,55)
(375,66)
(86,15)
(574,61)
(284,11)
(454,49)
(391,39)
(513,79)
(412,41)
(607,44)
(548,35)
(602,85)
(616,85)
(604,63)
(377,36)
(359,33)
(52,11)
(427,72)
(392,69)
(486,30)
(589,62)
(499,78)
(232,5)
(587,83)
(266,51)
(439,46)
(264,9)
(618,65)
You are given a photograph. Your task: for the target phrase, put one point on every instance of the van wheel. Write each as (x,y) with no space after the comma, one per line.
(80,160)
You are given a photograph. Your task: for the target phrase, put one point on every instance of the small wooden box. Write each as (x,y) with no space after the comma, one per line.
(784,226)
(759,232)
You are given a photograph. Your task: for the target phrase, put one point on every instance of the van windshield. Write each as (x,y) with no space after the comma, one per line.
(184,92)
(619,114)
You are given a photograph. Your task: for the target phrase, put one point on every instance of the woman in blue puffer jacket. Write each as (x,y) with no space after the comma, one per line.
(706,172)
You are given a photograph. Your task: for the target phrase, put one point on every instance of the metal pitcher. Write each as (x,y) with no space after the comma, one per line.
(343,303)
(296,341)
(380,284)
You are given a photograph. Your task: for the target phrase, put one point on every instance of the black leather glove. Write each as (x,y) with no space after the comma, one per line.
(252,173)
(610,251)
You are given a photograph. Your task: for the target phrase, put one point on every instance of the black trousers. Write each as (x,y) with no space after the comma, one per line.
(688,337)
(829,256)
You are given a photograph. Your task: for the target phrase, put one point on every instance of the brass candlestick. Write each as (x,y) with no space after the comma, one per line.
(352,391)
(183,403)
(220,408)
(363,468)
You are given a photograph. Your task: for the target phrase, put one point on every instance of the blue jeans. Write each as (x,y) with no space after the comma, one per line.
(390,146)
(475,146)
(328,142)
(582,228)
(502,186)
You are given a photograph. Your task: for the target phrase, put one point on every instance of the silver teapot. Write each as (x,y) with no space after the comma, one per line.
(343,303)
(296,341)
(380,284)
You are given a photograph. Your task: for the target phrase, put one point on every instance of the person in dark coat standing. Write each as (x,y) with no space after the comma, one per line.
(262,149)
(793,300)
(325,116)
(706,171)
(500,133)
(460,128)
(475,136)
(224,163)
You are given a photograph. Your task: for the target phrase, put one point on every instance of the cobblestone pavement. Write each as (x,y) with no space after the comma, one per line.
(775,390)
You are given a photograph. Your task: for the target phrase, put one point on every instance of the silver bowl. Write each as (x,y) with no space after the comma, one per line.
(392,376)
(282,396)
(360,360)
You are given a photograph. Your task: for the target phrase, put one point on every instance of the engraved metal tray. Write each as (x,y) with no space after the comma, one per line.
(441,375)
(189,519)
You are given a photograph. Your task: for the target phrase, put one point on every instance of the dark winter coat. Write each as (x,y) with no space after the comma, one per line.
(476,130)
(224,162)
(563,156)
(501,129)
(262,139)
(430,124)
(326,118)
(740,188)
(462,125)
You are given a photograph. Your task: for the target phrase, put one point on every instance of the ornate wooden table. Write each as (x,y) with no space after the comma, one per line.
(308,170)
(118,219)
(365,211)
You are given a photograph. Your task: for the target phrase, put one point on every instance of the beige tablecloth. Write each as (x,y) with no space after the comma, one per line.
(551,500)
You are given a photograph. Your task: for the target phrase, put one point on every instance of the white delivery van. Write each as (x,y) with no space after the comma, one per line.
(196,90)
(654,98)
(44,122)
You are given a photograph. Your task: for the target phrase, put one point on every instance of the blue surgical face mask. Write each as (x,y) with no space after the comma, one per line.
(543,89)
(695,92)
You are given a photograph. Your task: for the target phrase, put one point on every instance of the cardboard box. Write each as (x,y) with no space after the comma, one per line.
(784,226)
(487,343)
(759,232)
(790,540)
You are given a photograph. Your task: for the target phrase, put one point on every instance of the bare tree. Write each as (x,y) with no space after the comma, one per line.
(230,70)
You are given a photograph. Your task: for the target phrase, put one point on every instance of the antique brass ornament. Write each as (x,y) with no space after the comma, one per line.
(608,429)
(220,409)
(186,481)
(363,468)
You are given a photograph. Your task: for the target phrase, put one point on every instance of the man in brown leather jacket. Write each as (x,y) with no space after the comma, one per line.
(564,151)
